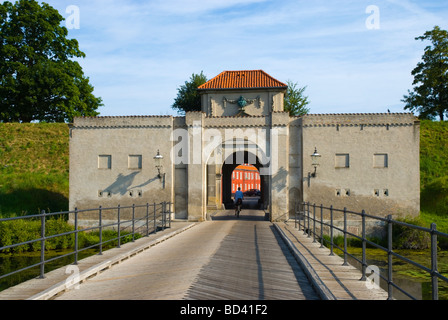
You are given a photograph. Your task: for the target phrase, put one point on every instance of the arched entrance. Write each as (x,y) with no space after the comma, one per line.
(220,165)
(230,164)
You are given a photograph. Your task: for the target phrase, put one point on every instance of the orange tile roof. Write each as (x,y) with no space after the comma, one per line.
(246,167)
(245,79)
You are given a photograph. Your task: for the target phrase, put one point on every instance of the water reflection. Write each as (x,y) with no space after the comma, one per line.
(411,287)
(10,263)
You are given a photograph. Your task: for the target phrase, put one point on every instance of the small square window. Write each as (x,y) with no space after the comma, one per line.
(342,160)
(380,160)
(104,162)
(135,162)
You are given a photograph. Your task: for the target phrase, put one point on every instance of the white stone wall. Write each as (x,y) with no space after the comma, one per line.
(351,174)
(111,161)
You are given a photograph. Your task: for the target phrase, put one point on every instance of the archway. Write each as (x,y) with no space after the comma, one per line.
(230,164)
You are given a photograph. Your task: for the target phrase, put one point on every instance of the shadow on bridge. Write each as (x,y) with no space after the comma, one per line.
(249,212)
(252,262)
(245,215)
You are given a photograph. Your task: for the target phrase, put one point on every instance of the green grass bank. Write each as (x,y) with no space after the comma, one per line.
(434,173)
(34,168)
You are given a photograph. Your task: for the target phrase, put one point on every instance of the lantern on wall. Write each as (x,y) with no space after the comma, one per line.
(158,161)
(315,159)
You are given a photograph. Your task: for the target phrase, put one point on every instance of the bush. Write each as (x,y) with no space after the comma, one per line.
(18,231)
(434,197)
(410,238)
(59,226)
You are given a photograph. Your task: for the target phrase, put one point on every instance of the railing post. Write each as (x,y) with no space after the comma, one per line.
(331,231)
(163,215)
(133,222)
(169,214)
(100,213)
(308,217)
(389,258)
(321,226)
(118,226)
(308,230)
(434,278)
(314,222)
(305,217)
(147,219)
(76,237)
(155,214)
(295,216)
(345,237)
(364,262)
(166,212)
(42,245)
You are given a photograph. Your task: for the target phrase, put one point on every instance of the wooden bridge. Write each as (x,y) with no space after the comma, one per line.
(222,259)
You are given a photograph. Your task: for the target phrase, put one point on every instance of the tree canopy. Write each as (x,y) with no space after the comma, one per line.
(295,102)
(430,94)
(39,81)
(188,98)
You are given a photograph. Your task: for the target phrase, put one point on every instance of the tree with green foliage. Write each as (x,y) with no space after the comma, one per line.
(39,81)
(188,98)
(430,94)
(295,101)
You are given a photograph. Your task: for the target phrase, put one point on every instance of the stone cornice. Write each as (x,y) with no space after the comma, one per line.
(123,122)
(358,119)
(122,127)
(356,125)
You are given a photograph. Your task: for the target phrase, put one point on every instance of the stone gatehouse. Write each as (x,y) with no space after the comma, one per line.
(367,161)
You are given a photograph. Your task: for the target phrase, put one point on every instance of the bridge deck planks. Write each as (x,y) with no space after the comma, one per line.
(231,259)
(215,260)
(343,281)
(252,263)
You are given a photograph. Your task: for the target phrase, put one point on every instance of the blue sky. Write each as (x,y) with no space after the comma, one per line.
(139,52)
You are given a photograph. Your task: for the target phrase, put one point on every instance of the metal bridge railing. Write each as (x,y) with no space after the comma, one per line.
(304,217)
(141,219)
